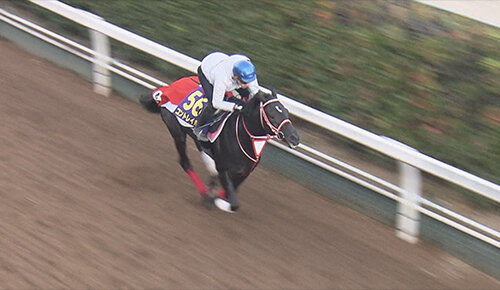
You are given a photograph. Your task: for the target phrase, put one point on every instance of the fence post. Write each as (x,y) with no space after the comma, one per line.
(408,216)
(100,45)
(100,74)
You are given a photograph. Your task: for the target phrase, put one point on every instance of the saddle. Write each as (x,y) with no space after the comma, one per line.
(210,131)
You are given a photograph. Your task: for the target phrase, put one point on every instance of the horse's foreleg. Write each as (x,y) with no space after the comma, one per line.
(212,170)
(228,185)
(179,136)
(209,164)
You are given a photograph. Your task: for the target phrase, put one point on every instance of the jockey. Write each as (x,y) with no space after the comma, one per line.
(220,73)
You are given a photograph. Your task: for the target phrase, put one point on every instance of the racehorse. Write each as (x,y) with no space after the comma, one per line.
(236,140)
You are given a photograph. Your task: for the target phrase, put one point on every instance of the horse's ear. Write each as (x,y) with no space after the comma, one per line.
(273,92)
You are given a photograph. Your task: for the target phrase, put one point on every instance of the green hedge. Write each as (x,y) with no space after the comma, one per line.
(422,76)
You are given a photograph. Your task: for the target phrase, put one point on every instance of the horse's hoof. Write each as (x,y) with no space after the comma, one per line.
(224,205)
(207,201)
(211,193)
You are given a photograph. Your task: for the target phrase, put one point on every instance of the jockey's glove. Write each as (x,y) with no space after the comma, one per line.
(238,107)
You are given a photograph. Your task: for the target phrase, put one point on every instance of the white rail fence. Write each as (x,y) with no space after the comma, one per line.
(412,162)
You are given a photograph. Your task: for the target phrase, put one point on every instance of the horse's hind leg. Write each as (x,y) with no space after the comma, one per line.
(149,103)
(179,136)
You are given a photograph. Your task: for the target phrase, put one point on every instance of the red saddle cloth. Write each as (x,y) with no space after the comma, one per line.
(185,99)
(177,91)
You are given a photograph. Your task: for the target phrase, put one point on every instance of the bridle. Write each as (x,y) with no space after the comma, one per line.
(258,142)
(263,117)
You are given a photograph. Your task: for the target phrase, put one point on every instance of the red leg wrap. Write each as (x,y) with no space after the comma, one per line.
(222,194)
(197,182)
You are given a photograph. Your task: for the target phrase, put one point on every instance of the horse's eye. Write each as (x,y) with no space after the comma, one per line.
(279,109)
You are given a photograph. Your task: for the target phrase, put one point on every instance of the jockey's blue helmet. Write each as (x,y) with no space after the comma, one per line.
(244,70)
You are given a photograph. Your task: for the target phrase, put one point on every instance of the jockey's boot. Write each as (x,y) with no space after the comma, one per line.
(205,116)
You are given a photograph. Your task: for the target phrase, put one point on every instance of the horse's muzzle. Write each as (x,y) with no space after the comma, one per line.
(293,141)
(290,135)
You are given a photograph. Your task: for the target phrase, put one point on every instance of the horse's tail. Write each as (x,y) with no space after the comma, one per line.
(149,103)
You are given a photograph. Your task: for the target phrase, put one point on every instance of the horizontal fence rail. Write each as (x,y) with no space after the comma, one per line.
(381,144)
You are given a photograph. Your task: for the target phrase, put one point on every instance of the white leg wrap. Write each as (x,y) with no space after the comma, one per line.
(209,163)
(223,205)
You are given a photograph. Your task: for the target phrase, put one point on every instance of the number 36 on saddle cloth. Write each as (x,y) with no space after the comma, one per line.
(184,98)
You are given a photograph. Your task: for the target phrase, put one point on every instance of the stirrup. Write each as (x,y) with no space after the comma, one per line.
(200,134)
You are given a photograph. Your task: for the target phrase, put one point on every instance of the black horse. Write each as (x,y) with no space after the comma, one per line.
(236,151)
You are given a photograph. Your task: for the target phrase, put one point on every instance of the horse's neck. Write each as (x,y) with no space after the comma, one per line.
(250,135)
(252,121)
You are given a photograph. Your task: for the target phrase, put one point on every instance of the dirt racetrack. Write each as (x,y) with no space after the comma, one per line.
(92,196)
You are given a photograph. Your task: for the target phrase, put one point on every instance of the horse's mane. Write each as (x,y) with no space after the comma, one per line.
(255,101)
